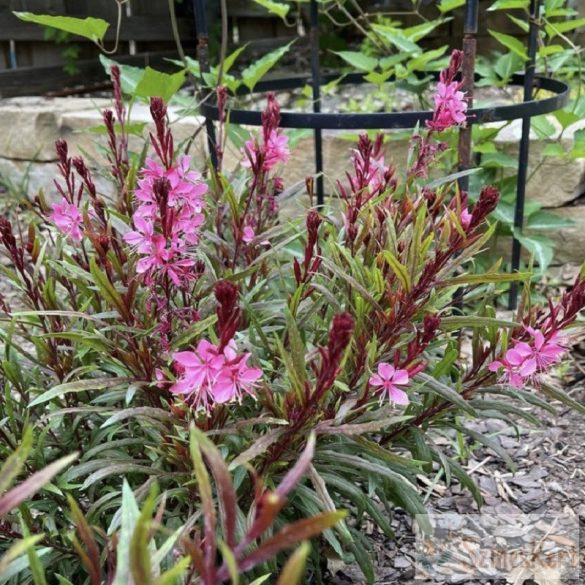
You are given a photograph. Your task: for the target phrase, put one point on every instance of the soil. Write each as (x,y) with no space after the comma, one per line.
(550,478)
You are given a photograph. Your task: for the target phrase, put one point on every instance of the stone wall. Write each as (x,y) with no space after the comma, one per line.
(30,126)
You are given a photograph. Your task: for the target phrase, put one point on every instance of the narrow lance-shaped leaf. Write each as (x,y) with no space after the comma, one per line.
(293,571)
(91,555)
(206,500)
(15,462)
(290,535)
(225,487)
(33,484)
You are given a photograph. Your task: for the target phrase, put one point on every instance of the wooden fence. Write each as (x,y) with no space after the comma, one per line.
(32,63)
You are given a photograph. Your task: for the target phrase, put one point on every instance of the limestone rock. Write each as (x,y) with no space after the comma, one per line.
(569,242)
(29,126)
(555,182)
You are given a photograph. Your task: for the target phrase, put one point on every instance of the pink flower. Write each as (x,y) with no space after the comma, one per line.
(157,255)
(212,376)
(248,234)
(517,364)
(167,220)
(68,219)
(465,218)
(525,361)
(142,237)
(275,150)
(388,378)
(201,366)
(547,351)
(450,106)
(234,379)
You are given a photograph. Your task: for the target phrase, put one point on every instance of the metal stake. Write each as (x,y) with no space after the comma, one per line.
(316,86)
(203,58)
(468,81)
(524,148)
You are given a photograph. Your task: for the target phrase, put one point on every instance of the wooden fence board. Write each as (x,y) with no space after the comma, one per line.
(43,80)
(136,28)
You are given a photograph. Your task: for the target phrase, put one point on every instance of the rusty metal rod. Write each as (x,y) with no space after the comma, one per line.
(524,148)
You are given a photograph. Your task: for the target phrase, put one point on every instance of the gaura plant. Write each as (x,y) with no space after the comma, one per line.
(179,323)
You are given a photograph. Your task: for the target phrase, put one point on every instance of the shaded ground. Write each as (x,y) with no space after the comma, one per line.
(550,478)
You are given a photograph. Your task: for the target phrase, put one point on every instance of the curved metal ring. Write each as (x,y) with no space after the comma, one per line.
(388,120)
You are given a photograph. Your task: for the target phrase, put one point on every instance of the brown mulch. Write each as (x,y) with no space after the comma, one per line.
(550,477)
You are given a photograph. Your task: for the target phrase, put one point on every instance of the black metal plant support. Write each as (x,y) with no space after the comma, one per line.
(319,121)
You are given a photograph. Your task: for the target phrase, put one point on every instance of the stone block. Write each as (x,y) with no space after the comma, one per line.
(29,126)
(552,182)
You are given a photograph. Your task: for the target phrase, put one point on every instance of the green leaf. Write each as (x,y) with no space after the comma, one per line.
(36,567)
(448,5)
(140,558)
(358,60)
(171,576)
(18,549)
(158,84)
(129,76)
(509,5)
(487,442)
(543,127)
(129,517)
(252,74)
(566,117)
(557,28)
(396,38)
(79,386)
(487,278)
(561,396)
(511,43)
(474,322)
(232,57)
(557,150)
(277,8)
(498,160)
(194,331)
(398,268)
(521,24)
(506,65)
(89,28)
(546,220)
(15,462)
(107,288)
(293,571)
(446,393)
(540,246)
(290,535)
(33,484)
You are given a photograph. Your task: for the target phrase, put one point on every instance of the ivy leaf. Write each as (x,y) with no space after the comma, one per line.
(158,84)
(358,60)
(511,43)
(543,127)
(274,7)
(129,76)
(545,220)
(252,74)
(557,28)
(540,246)
(90,28)
(509,5)
(396,38)
(448,5)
